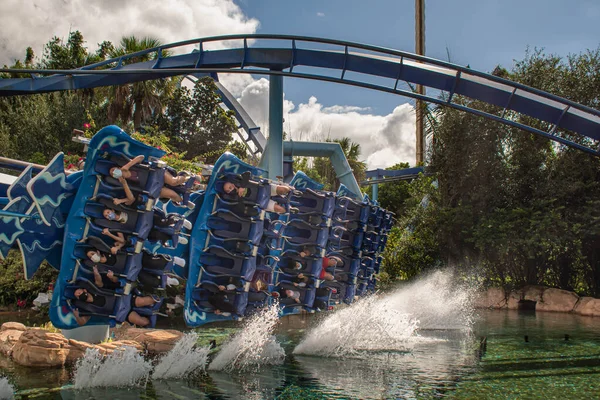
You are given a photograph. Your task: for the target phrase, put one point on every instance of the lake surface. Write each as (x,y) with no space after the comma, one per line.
(525,355)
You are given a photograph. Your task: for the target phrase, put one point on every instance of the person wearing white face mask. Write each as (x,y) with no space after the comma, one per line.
(124,174)
(98,257)
(157,220)
(113,215)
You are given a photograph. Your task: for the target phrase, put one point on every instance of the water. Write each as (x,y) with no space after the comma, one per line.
(391,322)
(184,360)
(422,341)
(254,346)
(6,389)
(123,368)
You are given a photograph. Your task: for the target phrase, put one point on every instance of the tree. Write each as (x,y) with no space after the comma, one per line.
(143,101)
(196,122)
(393,195)
(324,167)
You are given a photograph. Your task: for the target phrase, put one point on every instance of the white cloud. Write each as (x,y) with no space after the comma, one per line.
(385,139)
(345,109)
(27,23)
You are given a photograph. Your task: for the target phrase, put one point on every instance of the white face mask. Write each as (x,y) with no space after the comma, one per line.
(117,173)
(95,257)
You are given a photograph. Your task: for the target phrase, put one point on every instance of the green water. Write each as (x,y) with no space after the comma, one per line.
(438,364)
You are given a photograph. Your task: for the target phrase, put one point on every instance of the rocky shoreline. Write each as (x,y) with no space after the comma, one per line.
(538,298)
(37,347)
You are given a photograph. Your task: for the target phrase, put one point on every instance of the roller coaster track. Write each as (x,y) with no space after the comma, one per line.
(356,64)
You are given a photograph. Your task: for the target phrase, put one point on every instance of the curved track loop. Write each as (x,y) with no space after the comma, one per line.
(350,63)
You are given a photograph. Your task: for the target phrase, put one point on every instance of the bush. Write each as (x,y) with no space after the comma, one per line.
(14,289)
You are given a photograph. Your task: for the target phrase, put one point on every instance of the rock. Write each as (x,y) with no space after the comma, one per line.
(156,341)
(8,338)
(513,300)
(13,326)
(77,350)
(39,348)
(533,293)
(491,298)
(588,306)
(109,347)
(557,300)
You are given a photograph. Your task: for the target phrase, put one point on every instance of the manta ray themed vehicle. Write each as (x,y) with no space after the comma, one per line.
(119,228)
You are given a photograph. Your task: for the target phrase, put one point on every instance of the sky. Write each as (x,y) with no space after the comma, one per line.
(481,34)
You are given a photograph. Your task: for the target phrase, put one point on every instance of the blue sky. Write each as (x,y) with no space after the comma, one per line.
(481,33)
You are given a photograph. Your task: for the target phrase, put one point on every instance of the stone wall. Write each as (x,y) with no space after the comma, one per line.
(35,347)
(547,299)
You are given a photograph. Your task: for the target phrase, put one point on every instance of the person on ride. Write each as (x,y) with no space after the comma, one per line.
(245,188)
(119,239)
(109,281)
(158,262)
(222,303)
(157,218)
(100,301)
(124,174)
(302,280)
(291,294)
(130,199)
(106,281)
(153,236)
(328,263)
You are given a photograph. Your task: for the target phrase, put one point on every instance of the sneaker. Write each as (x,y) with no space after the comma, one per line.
(187,224)
(183,240)
(172,281)
(179,261)
(190,205)
(155,298)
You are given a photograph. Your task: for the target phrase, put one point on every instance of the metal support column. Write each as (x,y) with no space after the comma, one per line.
(274,150)
(375,192)
(420,105)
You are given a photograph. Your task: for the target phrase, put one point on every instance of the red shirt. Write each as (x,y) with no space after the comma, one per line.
(323,268)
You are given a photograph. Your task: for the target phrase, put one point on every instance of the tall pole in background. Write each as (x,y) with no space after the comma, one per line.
(420,49)
(274,150)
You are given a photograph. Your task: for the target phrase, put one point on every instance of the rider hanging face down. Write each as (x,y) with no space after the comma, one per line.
(245,187)
(100,301)
(157,219)
(154,235)
(149,277)
(124,174)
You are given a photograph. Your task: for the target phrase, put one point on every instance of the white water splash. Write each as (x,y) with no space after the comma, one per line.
(124,367)
(7,391)
(183,360)
(392,321)
(254,346)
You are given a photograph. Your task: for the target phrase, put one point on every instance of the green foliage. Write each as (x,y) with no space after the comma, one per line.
(196,123)
(140,102)
(393,195)
(39,126)
(13,286)
(511,208)
(321,168)
(155,138)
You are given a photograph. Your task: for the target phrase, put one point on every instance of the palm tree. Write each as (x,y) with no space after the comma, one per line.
(139,101)
(352,151)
